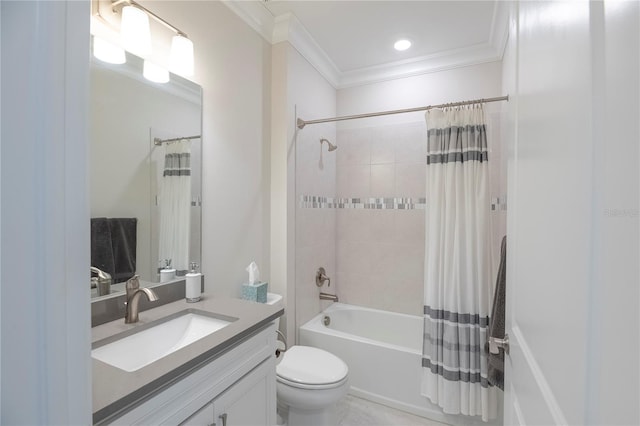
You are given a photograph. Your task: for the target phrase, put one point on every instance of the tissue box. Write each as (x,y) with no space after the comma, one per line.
(255,292)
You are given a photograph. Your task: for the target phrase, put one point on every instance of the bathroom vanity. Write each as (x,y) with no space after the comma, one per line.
(224,378)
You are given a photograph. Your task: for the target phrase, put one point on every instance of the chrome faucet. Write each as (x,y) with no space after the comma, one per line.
(103,282)
(327,296)
(133,298)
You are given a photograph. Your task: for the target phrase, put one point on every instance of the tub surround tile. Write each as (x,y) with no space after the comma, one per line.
(354,146)
(355,180)
(409,228)
(366,203)
(354,289)
(383,180)
(382,225)
(411,180)
(383,151)
(353,257)
(410,146)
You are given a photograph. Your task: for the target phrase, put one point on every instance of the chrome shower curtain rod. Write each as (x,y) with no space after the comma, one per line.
(158,141)
(301,123)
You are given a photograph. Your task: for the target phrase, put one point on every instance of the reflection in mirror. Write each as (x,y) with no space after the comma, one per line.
(145,175)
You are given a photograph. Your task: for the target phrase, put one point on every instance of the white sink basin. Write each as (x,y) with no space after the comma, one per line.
(134,351)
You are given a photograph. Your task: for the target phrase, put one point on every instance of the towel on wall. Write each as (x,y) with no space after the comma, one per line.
(101,249)
(496,327)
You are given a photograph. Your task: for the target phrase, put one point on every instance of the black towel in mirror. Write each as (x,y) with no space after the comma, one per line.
(123,243)
(113,246)
(101,247)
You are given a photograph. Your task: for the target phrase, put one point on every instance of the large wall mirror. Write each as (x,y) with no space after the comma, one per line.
(145,174)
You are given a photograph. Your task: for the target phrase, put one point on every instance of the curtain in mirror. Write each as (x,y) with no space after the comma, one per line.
(174,205)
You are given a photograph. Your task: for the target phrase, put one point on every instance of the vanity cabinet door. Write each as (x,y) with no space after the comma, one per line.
(251,401)
(202,417)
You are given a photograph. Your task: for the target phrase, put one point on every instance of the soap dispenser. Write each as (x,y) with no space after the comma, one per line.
(167,273)
(193,284)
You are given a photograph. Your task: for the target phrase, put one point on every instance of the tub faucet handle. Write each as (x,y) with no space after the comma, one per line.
(321,277)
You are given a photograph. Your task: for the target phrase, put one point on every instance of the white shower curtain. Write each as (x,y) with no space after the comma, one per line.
(174,205)
(457,286)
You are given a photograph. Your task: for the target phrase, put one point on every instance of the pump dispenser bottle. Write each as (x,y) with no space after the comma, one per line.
(193,284)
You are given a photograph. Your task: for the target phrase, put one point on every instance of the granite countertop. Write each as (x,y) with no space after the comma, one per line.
(115,389)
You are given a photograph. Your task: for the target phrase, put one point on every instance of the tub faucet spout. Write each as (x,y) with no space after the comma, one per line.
(327,296)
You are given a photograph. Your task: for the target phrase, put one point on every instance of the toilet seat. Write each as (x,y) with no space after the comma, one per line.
(305,367)
(310,387)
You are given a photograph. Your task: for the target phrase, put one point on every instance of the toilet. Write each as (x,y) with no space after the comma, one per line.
(310,382)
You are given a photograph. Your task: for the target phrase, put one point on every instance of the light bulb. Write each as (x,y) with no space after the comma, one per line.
(181,60)
(155,73)
(135,33)
(108,52)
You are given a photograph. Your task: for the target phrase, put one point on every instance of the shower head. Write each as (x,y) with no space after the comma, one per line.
(332,147)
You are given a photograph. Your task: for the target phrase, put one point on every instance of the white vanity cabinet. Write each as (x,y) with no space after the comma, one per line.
(249,402)
(236,388)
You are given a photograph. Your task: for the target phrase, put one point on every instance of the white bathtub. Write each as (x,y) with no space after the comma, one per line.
(384,353)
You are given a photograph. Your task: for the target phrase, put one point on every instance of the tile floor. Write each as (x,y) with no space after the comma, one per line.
(354,411)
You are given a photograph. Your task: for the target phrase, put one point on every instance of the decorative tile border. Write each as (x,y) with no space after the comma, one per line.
(398,203)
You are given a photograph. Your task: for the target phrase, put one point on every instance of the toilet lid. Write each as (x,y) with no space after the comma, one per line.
(313,366)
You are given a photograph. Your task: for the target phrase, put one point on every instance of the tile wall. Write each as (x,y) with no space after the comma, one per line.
(361,215)
(380,251)
(315,227)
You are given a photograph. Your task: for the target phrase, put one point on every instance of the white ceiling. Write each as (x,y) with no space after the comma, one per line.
(351,42)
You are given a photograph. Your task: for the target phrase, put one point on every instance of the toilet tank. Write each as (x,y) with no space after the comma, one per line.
(275,299)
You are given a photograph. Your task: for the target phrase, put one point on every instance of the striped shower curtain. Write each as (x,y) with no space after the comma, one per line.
(457,283)
(174,205)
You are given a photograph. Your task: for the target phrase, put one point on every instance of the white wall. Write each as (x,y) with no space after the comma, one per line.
(233,66)
(572,68)
(45,313)
(472,82)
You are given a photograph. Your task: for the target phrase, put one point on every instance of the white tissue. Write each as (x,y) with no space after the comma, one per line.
(254,273)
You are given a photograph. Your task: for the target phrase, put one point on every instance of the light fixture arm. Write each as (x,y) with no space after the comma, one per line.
(116,3)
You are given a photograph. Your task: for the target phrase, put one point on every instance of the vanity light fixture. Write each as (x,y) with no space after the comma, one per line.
(181,60)
(154,72)
(137,40)
(402,44)
(108,52)
(134,31)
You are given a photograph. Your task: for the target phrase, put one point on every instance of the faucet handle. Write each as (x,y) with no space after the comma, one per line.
(321,277)
(132,285)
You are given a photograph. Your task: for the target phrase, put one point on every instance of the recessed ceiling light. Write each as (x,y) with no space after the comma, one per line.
(401,45)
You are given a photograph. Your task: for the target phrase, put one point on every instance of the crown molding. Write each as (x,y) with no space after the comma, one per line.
(426,64)
(500,27)
(254,14)
(288,28)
